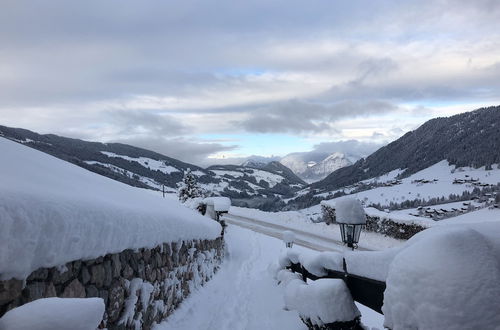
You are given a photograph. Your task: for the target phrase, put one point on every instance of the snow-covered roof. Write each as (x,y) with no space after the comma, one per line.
(349,210)
(220,204)
(53,212)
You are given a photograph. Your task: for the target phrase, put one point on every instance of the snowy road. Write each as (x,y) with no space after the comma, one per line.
(243,295)
(303,238)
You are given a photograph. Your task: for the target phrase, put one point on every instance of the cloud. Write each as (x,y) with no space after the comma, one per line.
(184,149)
(298,116)
(144,123)
(351,147)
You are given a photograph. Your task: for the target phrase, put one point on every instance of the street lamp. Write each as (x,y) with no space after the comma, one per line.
(351,217)
(288,238)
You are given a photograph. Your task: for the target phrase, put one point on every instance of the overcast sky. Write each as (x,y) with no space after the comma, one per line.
(229,79)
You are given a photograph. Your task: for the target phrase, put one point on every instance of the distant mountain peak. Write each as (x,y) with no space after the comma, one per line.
(311,170)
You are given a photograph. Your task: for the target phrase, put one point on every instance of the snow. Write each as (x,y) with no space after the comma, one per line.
(53,212)
(234,174)
(221,204)
(400,217)
(152,164)
(243,295)
(370,264)
(318,263)
(55,314)
(322,301)
(443,172)
(288,236)
(300,221)
(350,211)
(446,278)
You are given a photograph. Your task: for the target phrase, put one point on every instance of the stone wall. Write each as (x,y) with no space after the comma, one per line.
(376,224)
(140,287)
(391,228)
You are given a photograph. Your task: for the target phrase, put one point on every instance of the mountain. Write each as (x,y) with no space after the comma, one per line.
(260,188)
(314,166)
(468,139)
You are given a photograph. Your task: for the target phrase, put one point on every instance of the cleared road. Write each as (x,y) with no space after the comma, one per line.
(303,238)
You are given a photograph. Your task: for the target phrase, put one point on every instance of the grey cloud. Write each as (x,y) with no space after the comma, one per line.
(298,116)
(134,122)
(184,149)
(351,147)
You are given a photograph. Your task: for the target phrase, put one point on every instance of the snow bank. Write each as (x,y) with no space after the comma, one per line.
(349,210)
(318,263)
(53,212)
(221,204)
(55,314)
(288,258)
(445,279)
(323,301)
(371,264)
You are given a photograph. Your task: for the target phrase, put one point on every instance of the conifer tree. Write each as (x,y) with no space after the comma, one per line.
(189,188)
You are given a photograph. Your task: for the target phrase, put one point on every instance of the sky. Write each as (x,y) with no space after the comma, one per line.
(217,81)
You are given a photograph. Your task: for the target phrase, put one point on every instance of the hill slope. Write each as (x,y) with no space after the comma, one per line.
(468,139)
(147,169)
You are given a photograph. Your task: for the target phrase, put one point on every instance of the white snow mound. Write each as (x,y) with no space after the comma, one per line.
(220,204)
(322,301)
(444,279)
(55,314)
(349,210)
(53,212)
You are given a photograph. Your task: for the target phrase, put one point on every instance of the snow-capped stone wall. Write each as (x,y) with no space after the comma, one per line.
(139,287)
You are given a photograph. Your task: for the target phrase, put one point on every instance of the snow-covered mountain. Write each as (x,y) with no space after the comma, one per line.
(468,139)
(313,167)
(253,185)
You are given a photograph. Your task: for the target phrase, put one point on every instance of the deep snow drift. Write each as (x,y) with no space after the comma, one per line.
(55,314)
(53,212)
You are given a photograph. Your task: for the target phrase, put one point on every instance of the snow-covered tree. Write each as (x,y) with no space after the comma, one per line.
(189,188)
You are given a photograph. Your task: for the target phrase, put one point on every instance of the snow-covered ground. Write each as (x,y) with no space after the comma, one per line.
(440,177)
(244,295)
(152,164)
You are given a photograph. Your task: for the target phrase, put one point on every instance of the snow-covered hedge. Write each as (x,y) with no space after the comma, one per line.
(446,278)
(381,222)
(320,303)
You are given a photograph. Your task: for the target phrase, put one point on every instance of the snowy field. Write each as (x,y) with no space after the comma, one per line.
(244,295)
(440,176)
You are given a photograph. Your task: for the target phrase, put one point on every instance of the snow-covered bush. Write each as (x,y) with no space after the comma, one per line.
(189,188)
(321,302)
(55,314)
(446,278)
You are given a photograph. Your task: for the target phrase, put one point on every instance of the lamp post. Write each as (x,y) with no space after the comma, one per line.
(351,218)
(288,238)
(350,234)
